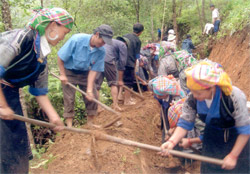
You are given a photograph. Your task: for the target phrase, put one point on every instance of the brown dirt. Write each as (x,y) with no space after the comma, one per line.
(233,53)
(76,153)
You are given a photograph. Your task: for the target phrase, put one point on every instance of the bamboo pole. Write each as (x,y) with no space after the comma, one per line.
(98,102)
(106,137)
(138,85)
(132,91)
(84,93)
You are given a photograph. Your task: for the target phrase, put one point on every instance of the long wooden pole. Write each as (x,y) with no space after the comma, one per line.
(106,137)
(138,85)
(84,93)
(132,91)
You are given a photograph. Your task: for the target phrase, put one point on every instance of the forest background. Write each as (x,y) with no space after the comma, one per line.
(184,16)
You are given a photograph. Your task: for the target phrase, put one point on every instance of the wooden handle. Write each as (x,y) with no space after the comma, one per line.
(106,137)
(95,100)
(132,91)
(138,85)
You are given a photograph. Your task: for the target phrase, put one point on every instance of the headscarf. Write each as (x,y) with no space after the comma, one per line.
(167,48)
(166,85)
(44,16)
(174,112)
(207,74)
(144,60)
(184,59)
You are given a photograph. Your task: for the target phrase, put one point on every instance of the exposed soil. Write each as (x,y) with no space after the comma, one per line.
(233,53)
(75,153)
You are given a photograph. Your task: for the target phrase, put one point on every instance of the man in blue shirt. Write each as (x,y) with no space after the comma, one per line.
(79,60)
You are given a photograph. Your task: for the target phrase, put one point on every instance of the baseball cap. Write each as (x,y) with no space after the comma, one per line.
(106,32)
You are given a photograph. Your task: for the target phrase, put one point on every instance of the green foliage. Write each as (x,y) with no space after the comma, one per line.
(238,13)
(137,151)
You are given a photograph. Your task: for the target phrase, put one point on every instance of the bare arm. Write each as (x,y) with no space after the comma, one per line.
(230,161)
(47,107)
(142,81)
(63,76)
(179,133)
(6,112)
(120,78)
(90,85)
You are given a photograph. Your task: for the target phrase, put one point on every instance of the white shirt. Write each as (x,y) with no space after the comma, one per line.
(216,14)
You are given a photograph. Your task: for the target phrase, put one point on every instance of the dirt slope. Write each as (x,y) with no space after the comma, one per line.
(233,53)
(74,152)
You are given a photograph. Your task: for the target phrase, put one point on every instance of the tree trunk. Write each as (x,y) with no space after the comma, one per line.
(152,22)
(180,9)
(174,21)
(137,9)
(203,12)
(42,3)
(201,23)
(6,15)
(163,17)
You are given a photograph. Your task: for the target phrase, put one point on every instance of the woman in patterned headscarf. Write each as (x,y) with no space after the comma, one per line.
(23,62)
(223,108)
(166,90)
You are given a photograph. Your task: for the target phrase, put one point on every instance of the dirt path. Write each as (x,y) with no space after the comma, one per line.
(74,153)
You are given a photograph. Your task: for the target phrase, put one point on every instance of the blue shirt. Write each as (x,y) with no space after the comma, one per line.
(77,54)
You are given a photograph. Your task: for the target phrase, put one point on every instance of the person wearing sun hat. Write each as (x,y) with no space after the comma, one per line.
(223,108)
(24,62)
(79,61)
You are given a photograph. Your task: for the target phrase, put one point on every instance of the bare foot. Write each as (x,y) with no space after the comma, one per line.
(94,125)
(116,107)
(129,103)
(90,122)
(69,122)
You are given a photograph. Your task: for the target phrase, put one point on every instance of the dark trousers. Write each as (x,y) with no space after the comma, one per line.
(15,147)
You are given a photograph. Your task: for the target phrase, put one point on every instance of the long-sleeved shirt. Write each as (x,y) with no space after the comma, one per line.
(133,49)
(187,44)
(117,52)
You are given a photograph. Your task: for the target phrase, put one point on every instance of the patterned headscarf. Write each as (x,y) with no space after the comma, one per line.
(174,112)
(162,85)
(167,48)
(184,59)
(144,60)
(207,74)
(41,19)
